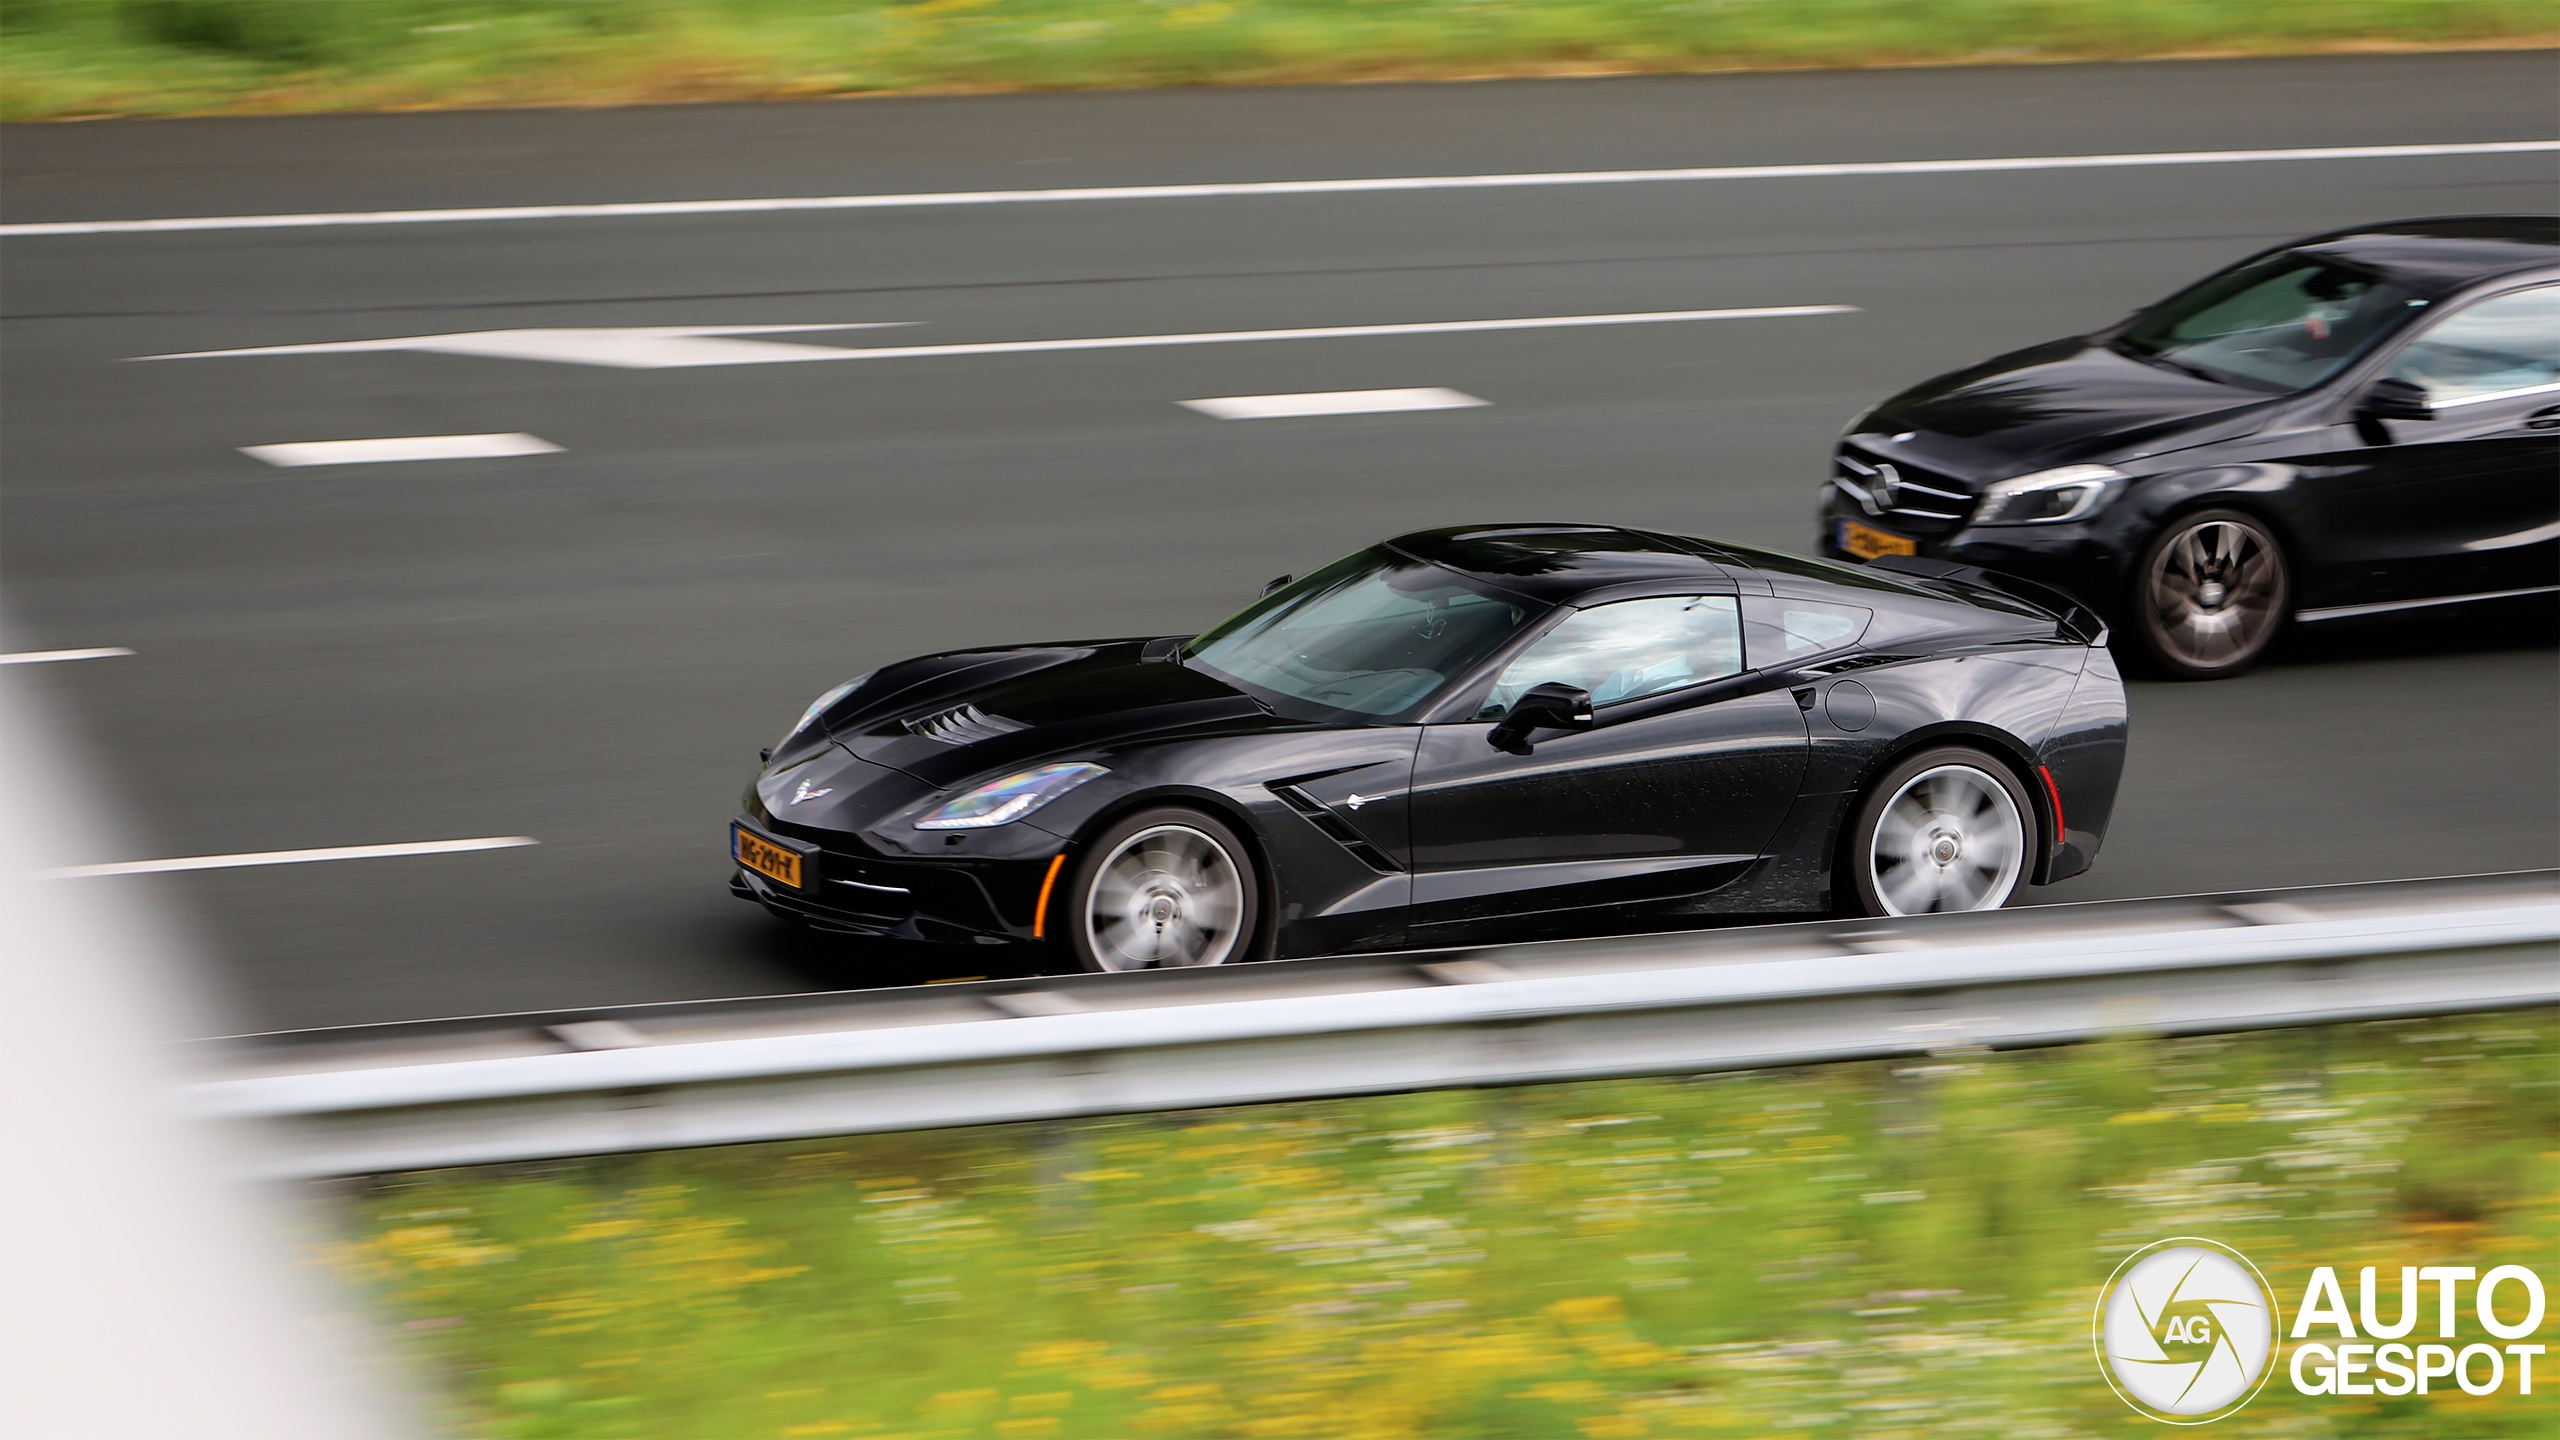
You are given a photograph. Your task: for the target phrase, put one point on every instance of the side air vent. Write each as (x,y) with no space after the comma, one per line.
(1336,828)
(963,725)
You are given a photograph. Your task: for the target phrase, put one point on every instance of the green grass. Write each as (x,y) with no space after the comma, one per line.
(1872,1249)
(66,58)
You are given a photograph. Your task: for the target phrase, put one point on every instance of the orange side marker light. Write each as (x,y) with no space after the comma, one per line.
(1040,910)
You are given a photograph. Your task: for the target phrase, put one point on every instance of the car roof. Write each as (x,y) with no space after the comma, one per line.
(2445,252)
(1557,563)
(1561,563)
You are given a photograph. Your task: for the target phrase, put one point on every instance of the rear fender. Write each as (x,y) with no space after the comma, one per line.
(2084,758)
(2005,702)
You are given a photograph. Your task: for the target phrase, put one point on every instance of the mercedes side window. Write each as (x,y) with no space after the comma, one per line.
(1629,649)
(1785,632)
(2502,345)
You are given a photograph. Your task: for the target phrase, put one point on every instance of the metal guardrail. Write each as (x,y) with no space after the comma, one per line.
(664,1077)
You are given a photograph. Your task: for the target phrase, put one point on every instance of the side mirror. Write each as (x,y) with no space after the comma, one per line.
(2392,398)
(1552,706)
(1277,583)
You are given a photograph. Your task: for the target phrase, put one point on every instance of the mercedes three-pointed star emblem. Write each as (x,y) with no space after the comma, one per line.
(1888,485)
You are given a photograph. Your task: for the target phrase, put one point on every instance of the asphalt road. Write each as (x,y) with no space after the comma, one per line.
(587,646)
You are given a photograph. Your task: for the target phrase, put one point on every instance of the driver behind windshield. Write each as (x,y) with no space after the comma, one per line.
(2284,323)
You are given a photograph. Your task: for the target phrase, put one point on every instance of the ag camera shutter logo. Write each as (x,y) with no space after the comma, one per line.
(2185,1330)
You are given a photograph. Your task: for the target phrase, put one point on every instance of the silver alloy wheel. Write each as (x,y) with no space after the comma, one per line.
(1950,839)
(1168,896)
(2215,593)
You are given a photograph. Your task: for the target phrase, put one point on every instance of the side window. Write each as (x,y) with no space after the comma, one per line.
(2503,344)
(1784,631)
(1629,649)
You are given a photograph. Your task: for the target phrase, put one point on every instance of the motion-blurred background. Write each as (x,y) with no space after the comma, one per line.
(583,643)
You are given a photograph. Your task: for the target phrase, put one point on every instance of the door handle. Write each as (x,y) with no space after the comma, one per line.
(2546,418)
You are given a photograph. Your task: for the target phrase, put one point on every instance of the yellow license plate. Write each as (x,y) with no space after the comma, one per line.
(1867,543)
(763,857)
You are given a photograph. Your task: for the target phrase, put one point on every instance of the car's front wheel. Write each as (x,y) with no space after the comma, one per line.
(1164,889)
(1947,829)
(2210,595)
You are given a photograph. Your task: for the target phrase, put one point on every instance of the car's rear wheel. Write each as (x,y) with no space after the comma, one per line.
(2211,593)
(1948,829)
(1164,889)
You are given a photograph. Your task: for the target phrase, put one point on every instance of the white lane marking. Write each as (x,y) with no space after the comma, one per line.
(1331,402)
(40,657)
(571,347)
(287,857)
(405,447)
(1265,187)
(632,347)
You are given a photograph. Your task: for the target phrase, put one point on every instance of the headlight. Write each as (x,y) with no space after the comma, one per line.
(2048,497)
(819,706)
(1001,802)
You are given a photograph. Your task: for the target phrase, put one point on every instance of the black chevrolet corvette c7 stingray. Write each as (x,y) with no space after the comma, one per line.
(1477,733)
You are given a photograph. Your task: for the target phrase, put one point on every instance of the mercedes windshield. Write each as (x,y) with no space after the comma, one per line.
(2280,324)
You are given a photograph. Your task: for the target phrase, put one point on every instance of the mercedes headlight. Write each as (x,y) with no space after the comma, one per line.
(1001,802)
(2049,497)
(820,705)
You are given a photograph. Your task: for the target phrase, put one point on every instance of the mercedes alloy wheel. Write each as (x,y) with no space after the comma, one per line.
(2211,594)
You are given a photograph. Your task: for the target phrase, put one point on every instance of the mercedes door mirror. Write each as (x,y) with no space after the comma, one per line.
(2392,398)
(1552,706)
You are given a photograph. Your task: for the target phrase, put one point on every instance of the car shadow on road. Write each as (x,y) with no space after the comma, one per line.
(822,961)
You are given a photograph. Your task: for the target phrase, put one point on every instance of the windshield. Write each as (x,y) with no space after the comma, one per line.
(2284,323)
(1375,634)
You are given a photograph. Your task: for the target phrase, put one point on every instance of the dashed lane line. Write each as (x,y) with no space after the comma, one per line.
(287,857)
(405,447)
(1267,187)
(45,657)
(1331,402)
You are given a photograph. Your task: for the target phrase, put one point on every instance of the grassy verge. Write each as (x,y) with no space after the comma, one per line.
(70,58)
(1866,1249)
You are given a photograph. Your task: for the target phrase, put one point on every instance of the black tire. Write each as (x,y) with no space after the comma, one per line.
(1192,899)
(1964,802)
(2210,594)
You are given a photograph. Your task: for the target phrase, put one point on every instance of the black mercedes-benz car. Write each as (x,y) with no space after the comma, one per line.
(2360,422)
(1460,734)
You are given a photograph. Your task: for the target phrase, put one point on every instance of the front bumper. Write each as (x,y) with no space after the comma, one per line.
(2087,559)
(848,889)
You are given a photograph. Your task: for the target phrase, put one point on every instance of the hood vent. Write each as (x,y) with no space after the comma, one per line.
(963,725)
